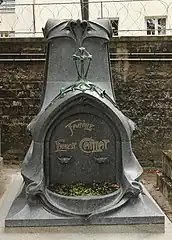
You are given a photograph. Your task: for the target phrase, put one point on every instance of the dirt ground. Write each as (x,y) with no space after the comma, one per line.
(148,179)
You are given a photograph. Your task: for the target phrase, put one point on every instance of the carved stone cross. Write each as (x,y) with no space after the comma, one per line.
(82,55)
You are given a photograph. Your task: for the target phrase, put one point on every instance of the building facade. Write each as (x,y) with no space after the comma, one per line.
(129,18)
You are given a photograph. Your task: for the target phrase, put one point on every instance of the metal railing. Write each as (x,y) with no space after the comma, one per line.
(129,18)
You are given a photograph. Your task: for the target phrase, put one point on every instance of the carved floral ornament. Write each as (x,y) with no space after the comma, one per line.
(82,59)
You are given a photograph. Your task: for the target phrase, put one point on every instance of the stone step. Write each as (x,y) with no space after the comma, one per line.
(1,163)
(165,186)
(167,163)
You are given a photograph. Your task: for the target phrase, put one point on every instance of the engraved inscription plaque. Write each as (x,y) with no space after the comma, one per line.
(82,149)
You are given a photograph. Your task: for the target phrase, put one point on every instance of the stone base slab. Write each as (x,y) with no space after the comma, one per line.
(143,215)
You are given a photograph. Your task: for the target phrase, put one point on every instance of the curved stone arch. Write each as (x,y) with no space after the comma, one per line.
(45,118)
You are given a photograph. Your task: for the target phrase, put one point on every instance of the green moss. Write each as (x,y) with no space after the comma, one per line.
(80,189)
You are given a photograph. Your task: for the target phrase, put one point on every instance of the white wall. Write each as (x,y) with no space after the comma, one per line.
(60,11)
(24,14)
(43,12)
(7,22)
(131,14)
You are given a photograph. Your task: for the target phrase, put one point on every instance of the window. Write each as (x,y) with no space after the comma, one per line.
(114,23)
(156,25)
(4,34)
(7,6)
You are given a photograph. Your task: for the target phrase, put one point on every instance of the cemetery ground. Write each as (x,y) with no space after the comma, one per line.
(148,179)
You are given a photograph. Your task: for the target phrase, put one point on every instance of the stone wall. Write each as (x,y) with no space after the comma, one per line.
(20,91)
(142,74)
(143,83)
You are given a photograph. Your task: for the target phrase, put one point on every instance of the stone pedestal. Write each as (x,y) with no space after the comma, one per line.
(142,215)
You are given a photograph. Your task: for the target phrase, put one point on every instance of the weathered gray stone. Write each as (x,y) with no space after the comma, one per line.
(80,136)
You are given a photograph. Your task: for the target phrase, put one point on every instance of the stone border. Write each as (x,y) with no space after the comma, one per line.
(15,185)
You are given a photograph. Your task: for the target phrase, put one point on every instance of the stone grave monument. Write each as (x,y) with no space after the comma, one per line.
(80,138)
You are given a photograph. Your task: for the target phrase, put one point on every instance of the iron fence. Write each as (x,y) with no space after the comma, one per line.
(128,18)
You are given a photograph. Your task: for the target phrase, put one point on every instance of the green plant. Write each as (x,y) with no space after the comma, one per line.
(80,189)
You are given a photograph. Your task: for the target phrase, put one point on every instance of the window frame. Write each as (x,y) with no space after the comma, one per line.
(111,20)
(7,6)
(7,34)
(156,18)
